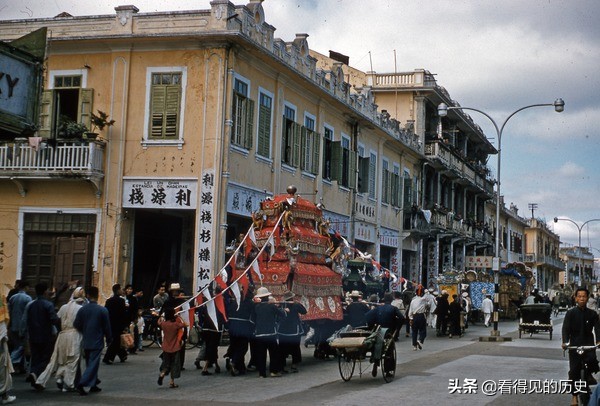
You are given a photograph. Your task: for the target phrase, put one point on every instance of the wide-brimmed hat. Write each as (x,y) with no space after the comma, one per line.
(175,286)
(288,295)
(262,292)
(355,293)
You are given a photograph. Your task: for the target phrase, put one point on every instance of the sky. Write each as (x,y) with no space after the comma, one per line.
(496,56)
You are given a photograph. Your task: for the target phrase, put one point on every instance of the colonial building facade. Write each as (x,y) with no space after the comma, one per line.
(212,114)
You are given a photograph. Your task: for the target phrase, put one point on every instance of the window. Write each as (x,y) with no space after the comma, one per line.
(165,105)
(363,170)
(372,175)
(327,151)
(311,145)
(395,189)
(290,145)
(265,110)
(408,200)
(343,163)
(385,181)
(66,100)
(242,115)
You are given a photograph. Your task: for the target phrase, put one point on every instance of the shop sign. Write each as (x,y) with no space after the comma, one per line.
(337,222)
(388,237)
(205,237)
(160,193)
(474,262)
(364,232)
(243,201)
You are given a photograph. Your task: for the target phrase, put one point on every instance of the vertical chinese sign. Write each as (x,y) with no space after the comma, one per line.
(205,236)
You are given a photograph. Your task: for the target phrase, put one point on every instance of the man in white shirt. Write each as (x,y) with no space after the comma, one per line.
(419,306)
(487,307)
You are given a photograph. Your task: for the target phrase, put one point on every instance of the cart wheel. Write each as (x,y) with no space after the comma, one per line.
(388,362)
(346,364)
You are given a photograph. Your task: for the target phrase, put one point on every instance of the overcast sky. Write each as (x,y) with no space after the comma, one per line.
(496,56)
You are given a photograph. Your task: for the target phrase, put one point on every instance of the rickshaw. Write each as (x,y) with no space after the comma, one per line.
(374,348)
(535,318)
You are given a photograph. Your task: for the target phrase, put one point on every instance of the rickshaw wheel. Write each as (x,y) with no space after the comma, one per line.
(388,362)
(346,364)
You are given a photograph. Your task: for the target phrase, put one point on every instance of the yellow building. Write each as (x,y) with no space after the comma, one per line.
(542,254)
(212,114)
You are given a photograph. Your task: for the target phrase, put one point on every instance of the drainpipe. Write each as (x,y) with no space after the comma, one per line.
(223,155)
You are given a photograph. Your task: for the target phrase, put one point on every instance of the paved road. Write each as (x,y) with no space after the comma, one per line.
(422,377)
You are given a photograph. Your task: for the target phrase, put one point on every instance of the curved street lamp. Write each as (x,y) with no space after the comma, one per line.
(559,107)
(579,228)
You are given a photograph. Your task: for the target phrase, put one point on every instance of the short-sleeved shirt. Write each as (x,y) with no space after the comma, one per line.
(171,336)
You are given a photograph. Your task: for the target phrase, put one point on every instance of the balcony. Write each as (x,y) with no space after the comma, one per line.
(544,259)
(67,159)
(455,167)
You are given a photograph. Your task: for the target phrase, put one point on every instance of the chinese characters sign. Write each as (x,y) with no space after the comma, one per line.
(337,222)
(479,262)
(205,237)
(364,232)
(243,201)
(388,237)
(160,193)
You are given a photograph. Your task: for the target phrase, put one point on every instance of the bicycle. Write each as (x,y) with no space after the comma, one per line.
(152,333)
(584,391)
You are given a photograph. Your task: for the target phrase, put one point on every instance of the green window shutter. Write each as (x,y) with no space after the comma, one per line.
(264,131)
(336,161)
(249,113)
(172,105)
(352,156)
(384,187)
(304,137)
(316,152)
(394,189)
(46,112)
(407,191)
(157,109)
(296,144)
(363,175)
(84,115)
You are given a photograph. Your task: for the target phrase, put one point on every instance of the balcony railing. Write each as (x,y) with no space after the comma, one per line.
(544,259)
(66,159)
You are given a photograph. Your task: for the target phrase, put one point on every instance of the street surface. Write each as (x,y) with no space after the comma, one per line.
(422,377)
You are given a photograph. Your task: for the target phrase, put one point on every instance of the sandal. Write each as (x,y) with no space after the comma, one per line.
(173,385)
(160,379)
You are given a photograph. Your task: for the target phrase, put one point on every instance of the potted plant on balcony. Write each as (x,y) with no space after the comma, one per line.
(99,122)
(70,129)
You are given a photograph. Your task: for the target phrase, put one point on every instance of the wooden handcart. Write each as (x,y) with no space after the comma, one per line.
(373,348)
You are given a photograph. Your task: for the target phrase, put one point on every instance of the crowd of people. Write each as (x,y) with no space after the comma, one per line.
(44,342)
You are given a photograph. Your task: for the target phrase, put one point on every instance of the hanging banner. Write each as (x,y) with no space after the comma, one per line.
(205,237)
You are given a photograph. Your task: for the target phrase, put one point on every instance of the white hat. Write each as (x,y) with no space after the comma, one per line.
(444,292)
(355,293)
(175,286)
(465,294)
(262,292)
(435,292)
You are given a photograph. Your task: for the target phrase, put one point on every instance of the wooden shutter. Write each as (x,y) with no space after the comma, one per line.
(249,116)
(316,152)
(172,105)
(157,110)
(264,131)
(394,187)
(336,161)
(46,113)
(296,144)
(407,191)
(352,157)
(84,115)
(363,175)
(304,137)
(385,192)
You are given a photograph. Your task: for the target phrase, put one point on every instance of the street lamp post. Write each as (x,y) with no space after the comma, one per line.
(579,228)
(559,106)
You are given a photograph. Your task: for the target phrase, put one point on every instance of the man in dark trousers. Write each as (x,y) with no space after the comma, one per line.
(117,314)
(93,323)
(43,325)
(579,327)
